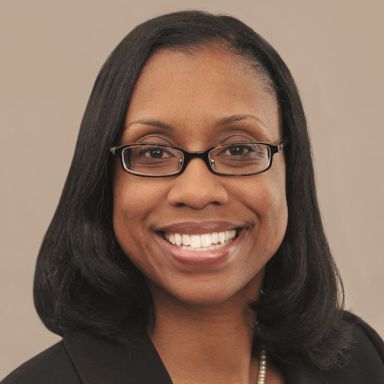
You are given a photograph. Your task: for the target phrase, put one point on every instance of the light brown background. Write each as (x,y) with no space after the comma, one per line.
(51,52)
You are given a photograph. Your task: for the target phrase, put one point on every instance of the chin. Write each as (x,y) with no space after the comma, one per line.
(209,295)
(204,299)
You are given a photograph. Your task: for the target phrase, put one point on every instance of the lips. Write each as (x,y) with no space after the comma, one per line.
(201,243)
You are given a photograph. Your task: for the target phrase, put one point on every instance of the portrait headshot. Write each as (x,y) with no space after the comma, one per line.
(192,193)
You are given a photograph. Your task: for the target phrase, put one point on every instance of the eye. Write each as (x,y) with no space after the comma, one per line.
(155,153)
(237,150)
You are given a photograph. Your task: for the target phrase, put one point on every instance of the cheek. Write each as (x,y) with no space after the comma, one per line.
(133,200)
(271,208)
(265,197)
(274,196)
(133,196)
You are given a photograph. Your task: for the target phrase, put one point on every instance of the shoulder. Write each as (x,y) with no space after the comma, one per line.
(366,336)
(363,361)
(52,365)
(84,357)
(366,363)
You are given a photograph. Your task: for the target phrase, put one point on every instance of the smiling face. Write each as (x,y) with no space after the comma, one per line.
(224,229)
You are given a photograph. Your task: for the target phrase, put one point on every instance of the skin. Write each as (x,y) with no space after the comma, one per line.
(202,320)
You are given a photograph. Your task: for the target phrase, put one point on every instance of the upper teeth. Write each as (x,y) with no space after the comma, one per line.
(200,240)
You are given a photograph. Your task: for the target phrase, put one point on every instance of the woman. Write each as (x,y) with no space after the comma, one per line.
(187,246)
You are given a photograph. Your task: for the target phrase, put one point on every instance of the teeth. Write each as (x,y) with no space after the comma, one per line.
(178,240)
(195,241)
(204,240)
(186,240)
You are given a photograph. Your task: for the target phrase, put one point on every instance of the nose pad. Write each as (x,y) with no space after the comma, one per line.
(197,187)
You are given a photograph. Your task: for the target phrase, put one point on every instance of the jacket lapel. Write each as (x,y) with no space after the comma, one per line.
(298,375)
(99,361)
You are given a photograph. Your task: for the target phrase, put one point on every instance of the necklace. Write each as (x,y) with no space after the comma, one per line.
(262,367)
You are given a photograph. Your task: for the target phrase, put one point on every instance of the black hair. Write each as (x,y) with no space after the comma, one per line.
(83,279)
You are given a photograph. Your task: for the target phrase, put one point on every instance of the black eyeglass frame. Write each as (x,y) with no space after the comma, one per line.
(203,155)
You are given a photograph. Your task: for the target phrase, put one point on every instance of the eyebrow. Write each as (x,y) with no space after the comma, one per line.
(154,123)
(234,118)
(223,121)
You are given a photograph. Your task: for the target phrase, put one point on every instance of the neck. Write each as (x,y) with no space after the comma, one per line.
(205,344)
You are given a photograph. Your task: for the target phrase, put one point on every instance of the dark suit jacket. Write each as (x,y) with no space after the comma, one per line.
(86,359)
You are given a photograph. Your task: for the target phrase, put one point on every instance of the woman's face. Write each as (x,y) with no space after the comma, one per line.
(196,101)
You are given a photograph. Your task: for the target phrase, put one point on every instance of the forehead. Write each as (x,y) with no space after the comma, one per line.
(200,88)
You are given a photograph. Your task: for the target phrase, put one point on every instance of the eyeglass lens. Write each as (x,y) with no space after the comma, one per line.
(152,159)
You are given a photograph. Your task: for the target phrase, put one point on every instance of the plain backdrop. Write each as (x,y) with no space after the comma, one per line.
(51,52)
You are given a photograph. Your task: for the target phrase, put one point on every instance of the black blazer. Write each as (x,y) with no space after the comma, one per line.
(86,359)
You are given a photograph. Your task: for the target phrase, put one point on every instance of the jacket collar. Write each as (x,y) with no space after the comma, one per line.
(99,361)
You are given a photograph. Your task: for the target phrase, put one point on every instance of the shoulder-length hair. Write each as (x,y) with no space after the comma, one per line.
(83,280)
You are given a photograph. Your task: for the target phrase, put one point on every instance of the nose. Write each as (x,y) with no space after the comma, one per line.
(197,187)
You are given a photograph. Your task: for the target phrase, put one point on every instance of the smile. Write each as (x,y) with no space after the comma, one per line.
(198,250)
(199,242)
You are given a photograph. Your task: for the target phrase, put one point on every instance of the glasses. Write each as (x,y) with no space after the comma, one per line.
(232,159)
